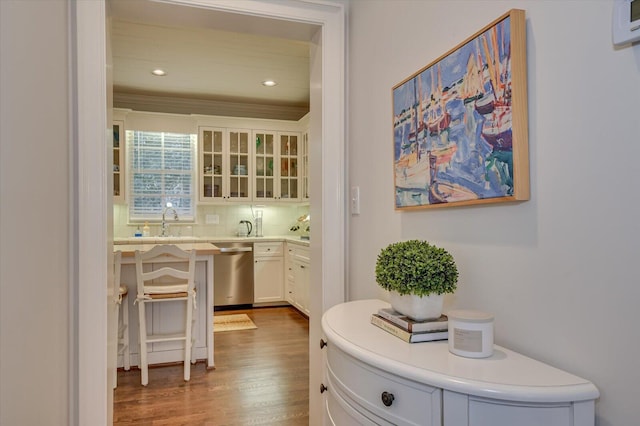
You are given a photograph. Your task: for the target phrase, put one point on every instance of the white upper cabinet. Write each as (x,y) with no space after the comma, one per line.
(277,166)
(305,166)
(289,166)
(118,147)
(225,166)
(265,163)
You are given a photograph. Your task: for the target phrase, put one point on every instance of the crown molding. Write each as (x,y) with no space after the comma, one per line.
(181,105)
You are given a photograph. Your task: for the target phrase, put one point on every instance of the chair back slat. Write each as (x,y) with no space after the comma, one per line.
(165,253)
(166,272)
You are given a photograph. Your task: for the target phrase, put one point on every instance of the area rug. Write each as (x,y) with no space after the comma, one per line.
(232,322)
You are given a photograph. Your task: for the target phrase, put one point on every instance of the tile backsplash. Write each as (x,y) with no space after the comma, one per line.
(276,221)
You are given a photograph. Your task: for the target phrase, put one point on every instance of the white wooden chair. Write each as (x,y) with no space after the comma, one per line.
(163,285)
(122,306)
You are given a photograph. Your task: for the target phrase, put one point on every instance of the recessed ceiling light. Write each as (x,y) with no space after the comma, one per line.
(269,83)
(159,72)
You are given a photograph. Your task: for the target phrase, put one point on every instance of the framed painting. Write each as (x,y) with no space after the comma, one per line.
(460,133)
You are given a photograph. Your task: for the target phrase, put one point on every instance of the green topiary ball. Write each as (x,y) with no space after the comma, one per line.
(416,267)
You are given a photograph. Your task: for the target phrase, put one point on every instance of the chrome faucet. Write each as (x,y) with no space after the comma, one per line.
(164,223)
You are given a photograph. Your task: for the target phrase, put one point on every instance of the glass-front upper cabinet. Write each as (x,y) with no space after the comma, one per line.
(305,166)
(276,166)
(224,164)
(289,170)
(265,159)
(239,172)
(118,146)
(212,164)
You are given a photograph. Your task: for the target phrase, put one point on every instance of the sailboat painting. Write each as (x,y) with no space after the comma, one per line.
(460,134)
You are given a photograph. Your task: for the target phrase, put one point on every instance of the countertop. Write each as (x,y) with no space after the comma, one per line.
(184,240)
(201,248)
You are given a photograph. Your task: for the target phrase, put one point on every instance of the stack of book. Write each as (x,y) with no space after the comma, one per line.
(409,330)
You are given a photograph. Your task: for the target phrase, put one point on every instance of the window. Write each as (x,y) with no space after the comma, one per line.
(161,170)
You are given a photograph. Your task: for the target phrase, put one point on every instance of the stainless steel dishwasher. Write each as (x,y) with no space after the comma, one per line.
(233,274)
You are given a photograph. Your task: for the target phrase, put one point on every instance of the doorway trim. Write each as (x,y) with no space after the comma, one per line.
(88,329)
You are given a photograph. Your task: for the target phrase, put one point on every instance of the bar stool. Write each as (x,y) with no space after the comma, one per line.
(122,307)
(164,285)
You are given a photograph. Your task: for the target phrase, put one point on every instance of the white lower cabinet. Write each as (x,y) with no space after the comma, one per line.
(374,378)
(268,272)
(298,279)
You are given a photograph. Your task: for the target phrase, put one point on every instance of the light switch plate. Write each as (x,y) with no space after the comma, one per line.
(355,200)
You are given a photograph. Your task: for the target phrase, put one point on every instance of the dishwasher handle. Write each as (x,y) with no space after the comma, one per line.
(232,250)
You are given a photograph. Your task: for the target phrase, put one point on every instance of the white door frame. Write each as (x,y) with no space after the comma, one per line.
(88,376)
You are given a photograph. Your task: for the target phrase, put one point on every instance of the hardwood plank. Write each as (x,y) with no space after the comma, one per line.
(261,378)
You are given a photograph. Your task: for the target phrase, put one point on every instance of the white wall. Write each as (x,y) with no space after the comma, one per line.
(557,271)
(34,214)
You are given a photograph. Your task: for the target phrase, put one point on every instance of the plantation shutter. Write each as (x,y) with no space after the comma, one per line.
(161,170)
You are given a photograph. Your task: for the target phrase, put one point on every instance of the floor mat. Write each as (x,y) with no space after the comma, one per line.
(232,322)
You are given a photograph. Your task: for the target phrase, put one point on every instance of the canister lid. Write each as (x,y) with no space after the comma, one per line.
(470,316)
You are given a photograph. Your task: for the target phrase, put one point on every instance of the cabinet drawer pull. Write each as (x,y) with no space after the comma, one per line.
(322,388)
(322,343)
(387,398)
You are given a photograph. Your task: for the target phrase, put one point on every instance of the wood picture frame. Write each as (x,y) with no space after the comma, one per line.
(460,131)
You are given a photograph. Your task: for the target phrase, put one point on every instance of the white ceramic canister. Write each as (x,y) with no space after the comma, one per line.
(470,333)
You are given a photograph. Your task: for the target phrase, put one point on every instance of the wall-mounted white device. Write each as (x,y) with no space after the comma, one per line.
(626,21)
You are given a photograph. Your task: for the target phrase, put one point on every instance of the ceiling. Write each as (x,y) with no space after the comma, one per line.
(215,61)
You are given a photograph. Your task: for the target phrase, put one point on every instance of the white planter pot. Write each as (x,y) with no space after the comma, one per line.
(418,308)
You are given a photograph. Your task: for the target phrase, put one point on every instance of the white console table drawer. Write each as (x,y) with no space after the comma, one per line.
(409,403)
(432,386)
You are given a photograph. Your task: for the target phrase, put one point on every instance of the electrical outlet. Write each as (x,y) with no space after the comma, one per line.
(212,219)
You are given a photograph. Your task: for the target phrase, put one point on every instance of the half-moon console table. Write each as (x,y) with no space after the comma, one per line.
(374,378)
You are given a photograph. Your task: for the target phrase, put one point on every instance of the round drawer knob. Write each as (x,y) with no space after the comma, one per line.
(387,398)
(322,343)
(322,388)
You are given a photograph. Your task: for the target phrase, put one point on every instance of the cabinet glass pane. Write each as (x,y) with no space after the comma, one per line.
(207,141)
(284,167)
(284,145)
(259,143)
(217,164)
(217,142)
(294,167)
(269,188)
(233,142)
(284,188)
(293,188)
(259,166)
(293,145)
(269,145)
(207,162)
(244,143)
(116,136)
(244,165)
(116,184)
(207,186)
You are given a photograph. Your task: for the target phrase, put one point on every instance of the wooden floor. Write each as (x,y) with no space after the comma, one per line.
(261,378)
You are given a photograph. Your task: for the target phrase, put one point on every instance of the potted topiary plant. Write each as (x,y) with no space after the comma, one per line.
(417,275)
